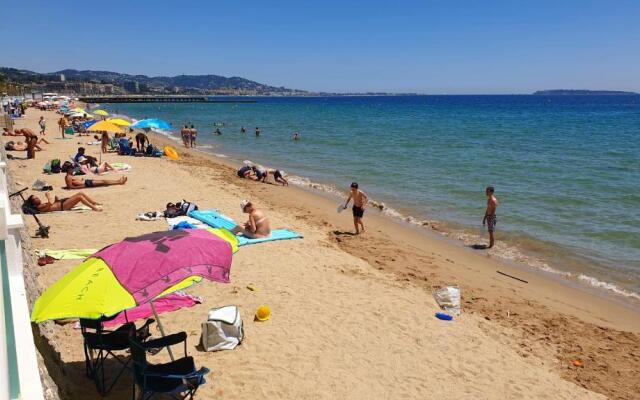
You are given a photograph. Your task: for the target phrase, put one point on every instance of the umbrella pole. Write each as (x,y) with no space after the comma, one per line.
(155,314)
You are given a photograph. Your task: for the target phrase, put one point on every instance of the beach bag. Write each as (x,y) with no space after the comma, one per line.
(52,167)
(186,207)
(223,329)
(55,166)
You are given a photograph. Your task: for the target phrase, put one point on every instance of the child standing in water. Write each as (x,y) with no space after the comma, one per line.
(360,199)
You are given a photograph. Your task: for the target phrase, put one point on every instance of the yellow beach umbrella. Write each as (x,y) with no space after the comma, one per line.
(102,113)
(119,121)
(78,110)
(105,126)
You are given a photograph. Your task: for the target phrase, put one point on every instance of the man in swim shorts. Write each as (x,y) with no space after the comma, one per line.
(79,183)
(490,214)
(360,199)
(193,133)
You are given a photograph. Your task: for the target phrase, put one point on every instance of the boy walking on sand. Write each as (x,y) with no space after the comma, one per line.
(490,215)
(360,199)
(43,125)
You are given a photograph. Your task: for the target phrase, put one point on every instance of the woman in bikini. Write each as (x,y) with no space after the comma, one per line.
(62,204)
(258,224)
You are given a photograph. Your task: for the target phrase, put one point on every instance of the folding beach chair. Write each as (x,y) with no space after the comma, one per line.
(177,379)
(125,148)
(104,343)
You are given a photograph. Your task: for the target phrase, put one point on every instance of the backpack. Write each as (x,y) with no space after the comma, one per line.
(52,167)
(55,166)
(223,329)
(186,207)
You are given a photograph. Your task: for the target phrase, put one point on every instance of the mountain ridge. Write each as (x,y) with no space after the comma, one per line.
(199,82)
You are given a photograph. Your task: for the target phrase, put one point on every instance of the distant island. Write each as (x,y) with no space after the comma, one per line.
(569,92)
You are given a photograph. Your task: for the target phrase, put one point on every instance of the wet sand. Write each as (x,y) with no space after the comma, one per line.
(352,315)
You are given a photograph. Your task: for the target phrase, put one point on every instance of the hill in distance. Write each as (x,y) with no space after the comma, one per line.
(200,82)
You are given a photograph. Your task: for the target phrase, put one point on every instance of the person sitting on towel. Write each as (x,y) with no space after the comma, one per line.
(80,183)
(258,224)
(83,159)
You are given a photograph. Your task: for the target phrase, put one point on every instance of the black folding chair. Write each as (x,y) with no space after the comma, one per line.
(104,343)
(177,379)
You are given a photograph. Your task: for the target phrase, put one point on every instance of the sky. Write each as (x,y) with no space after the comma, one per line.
(433,47)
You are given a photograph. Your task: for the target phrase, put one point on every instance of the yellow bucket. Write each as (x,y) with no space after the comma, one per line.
(263,313)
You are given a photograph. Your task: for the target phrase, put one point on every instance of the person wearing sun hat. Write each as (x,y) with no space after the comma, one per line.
(258,224)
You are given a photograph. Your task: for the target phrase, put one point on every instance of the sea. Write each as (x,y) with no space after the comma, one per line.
(566,169)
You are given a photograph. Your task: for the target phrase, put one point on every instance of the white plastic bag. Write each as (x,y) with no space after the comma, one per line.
(223,330)
(448,298)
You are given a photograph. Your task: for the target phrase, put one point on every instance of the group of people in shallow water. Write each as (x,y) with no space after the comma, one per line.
(260,174)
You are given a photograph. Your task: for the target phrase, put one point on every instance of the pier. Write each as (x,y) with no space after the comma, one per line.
(160,99)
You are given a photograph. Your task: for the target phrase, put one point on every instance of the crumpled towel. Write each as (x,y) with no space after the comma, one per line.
(150,216)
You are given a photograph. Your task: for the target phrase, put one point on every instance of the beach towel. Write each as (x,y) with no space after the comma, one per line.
(217,220)
(213,218)
(121,167)
(70,254)
(80,208)
(183,218)
(150,216)
(170,302)
(276,234)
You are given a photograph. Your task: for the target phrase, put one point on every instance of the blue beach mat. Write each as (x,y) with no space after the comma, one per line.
(276,234)
(214,219)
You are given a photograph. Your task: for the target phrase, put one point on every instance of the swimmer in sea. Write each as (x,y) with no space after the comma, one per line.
(296,136)
(257,131)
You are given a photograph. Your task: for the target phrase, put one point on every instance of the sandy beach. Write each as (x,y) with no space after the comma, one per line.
(353,316)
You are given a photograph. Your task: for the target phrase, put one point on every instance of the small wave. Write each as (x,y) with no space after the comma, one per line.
(591,281)
(501,249)
(220,155)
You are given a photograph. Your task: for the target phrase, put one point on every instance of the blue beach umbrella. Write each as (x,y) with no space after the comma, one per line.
(152,123)
(88,124)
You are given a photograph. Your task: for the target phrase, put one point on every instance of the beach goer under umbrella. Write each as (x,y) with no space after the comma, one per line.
(141,140)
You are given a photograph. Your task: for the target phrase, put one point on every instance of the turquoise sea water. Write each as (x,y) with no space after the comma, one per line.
(566,169)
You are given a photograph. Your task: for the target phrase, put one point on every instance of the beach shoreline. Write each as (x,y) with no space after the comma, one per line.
(435,229)
(544,319)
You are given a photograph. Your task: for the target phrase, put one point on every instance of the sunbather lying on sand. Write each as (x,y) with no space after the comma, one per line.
(100,169)
(9,132)
(258,224)
(20,146)
(80,183)
(62,204)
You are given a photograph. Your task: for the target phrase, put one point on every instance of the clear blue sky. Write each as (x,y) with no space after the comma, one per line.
(444,46)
